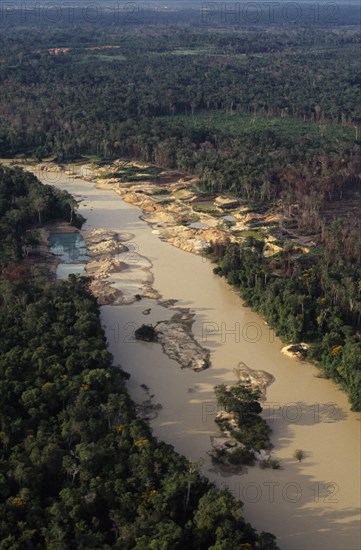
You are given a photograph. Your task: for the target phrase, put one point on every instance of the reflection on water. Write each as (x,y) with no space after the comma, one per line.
(71,250)
(63,270)
(312,504)
(70,247)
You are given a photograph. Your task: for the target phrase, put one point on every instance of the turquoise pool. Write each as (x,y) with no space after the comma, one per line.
(71,250)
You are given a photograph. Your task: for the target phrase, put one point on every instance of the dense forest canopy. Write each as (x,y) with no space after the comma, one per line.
(266,110)
(78,469)
(264,114)
(270,114)
(24,205)
(314,299)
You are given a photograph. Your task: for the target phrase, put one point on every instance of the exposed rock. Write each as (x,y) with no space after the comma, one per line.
(163,218)
(227,444)
(179,344)
(144,202)
(87,171)
(229,418)
(119,274)
(105,294)
(103,266)
(190,239)
(257,378)
(226,202)
(271,249)
(273,218)
(251,216)
(262,454)
(49,167)
(168,215)
(103,242)
(296,351)
(167,303)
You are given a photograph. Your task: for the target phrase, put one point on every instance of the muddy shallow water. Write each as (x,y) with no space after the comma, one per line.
(311,505)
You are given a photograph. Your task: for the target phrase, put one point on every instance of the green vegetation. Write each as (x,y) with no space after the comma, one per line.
(269,463)
(241,404)
(257,235)
(285,128)
(272,117)
(247,125)
(146,333)
(25,204)
(127,172)
(78,469)
(268,126)
(313,298)
(298,455)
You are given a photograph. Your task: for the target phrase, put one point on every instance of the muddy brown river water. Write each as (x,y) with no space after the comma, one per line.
(309,505)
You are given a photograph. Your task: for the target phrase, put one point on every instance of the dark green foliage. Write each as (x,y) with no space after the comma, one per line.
(315,298)
(298,454)
(269,463)
(235,112)
(26,204)
(230,107)
(78,469)
(147,333)
(241,402)
(241,456)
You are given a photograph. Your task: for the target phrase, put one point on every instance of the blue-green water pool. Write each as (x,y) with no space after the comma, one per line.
(71,250)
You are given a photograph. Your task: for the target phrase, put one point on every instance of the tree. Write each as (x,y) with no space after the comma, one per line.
(240,399)
(146,333)
(298,455)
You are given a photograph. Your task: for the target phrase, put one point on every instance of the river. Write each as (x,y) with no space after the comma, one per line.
(309,505)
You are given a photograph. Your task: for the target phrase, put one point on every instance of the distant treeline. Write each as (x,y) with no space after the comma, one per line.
(267,116)
(198,14)
(272,117)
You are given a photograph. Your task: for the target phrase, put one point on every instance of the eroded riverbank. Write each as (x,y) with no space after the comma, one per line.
(311,505)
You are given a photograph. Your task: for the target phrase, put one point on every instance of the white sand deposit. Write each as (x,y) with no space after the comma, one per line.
(310,505)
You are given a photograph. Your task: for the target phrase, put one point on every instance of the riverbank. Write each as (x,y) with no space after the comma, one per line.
(118,273)
(312,504)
